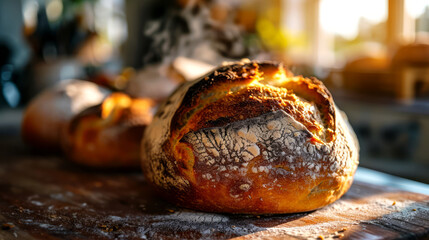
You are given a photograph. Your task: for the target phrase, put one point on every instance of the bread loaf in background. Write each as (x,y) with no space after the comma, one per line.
(48,114)
(108,135)
(250,138)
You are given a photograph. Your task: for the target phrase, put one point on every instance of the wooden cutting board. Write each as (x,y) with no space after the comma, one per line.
(45,197)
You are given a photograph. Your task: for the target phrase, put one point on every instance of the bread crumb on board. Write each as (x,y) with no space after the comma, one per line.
(7,226)
(106,228)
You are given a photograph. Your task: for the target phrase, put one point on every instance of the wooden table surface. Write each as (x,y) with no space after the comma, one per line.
(46,197)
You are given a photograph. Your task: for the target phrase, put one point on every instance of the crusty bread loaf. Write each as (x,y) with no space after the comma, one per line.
(250,138)
(108,135)
(49,113)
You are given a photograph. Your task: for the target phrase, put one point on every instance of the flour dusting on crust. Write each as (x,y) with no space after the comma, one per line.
(278,140)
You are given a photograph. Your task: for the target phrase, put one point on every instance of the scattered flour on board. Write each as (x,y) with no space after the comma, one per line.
(209,225)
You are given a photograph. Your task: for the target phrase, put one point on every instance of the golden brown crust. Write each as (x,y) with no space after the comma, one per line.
(250,138)
(108,135)
(276,91)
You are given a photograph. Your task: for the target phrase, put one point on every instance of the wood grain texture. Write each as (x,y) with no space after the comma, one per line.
(46,197)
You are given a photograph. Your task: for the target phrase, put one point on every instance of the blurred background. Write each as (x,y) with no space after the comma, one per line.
(373,55)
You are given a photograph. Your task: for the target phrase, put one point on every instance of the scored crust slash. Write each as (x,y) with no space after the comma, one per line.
(250,137)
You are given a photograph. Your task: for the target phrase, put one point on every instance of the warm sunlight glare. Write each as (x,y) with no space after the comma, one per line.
(342,16)
(416,7)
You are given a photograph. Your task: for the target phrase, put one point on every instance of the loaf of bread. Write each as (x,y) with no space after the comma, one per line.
(250,138)
(49,113)
(109,135)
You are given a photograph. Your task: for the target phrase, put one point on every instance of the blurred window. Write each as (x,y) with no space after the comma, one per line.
(419,13)
(353,27)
